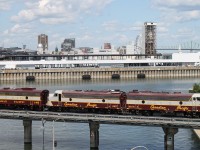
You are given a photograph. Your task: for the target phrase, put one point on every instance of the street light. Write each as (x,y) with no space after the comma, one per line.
(43,129)
(54,141)
(43,122)
(53,136)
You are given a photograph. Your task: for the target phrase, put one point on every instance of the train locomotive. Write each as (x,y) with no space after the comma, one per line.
(105,101)
(23,98)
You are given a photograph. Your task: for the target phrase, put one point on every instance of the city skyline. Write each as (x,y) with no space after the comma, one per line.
(93,23)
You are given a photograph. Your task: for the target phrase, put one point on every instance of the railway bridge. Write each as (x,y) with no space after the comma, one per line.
(170,125)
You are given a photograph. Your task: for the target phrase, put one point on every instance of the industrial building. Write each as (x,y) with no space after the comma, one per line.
(149,38)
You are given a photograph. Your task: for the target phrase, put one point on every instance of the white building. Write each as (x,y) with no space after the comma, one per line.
(39,49)
(130,48)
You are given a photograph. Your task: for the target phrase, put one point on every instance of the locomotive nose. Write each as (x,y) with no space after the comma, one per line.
(123,98)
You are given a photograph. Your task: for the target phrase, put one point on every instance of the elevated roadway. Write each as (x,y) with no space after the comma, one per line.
(170,125)
(102,119)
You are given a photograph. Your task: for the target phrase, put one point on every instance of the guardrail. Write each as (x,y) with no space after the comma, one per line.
(103,119)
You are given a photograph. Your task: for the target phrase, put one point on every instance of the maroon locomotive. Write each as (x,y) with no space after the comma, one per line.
(23,98)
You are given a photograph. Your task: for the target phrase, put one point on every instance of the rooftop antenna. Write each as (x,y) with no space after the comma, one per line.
(179,49)
(191,47)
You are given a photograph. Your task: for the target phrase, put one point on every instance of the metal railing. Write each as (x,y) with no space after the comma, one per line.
(103,118)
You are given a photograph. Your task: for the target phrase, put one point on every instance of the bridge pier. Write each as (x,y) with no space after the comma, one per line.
(27,146)
(169,137)
(27,131)
(94,135)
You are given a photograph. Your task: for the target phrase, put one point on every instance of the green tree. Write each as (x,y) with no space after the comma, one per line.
(196,88)
(56,49)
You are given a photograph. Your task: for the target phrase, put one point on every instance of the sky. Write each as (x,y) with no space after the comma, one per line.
(94,22)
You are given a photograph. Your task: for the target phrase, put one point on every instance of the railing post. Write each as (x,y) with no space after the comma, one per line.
(94,135)
(169,137)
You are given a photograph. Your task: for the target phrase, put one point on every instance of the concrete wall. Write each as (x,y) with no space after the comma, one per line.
(77,73)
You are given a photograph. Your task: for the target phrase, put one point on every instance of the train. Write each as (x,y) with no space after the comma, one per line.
(133,102)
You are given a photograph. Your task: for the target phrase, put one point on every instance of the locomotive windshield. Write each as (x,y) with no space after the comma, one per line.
(196,98)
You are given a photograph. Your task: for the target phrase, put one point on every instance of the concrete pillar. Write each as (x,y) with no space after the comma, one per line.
(27,146)
(169,137)
(27,131)
(94,135)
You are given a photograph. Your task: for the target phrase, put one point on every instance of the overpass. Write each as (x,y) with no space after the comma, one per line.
(170,125)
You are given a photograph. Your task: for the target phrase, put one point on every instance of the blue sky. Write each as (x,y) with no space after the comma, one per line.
(94,22)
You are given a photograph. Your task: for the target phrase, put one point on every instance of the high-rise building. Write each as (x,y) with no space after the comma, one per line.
(107,46)
(68,44)
(42,44)
(149,38)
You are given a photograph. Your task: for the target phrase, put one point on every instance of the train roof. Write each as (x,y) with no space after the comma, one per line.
(196,95)
(152,93)
(116,91)
(29,90)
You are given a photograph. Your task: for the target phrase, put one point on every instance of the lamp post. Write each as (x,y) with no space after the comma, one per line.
(43,122)
(53,136)
(54,141)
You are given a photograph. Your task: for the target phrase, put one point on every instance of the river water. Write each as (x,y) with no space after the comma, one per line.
(75,136)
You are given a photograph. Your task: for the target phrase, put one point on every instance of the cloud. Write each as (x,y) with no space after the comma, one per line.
(178,4)
(6,4)
(27,15)
(185,32)
(85,37)
(110,25)
(178,10)
(18,29)
(137,26)
(116,38)
(55,12)
(163,27)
